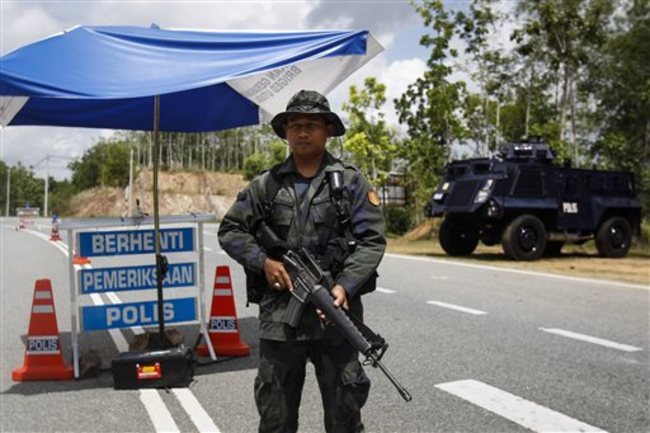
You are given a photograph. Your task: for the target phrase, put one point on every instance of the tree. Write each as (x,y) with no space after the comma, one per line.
(620,82)
(368,140)
(105,164)
(62,193)
(25,189)
(254,164)
(428,107)
(482,113)
(565,35)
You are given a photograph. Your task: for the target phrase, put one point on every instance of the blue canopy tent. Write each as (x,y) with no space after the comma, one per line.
(171,80)
(107,77)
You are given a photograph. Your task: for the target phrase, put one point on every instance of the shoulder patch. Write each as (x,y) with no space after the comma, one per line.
(373,198)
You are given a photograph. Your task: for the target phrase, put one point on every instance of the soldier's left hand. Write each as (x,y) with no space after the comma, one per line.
(340,296)
(340,300)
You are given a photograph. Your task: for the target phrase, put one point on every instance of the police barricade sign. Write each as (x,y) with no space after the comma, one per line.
(96,318)
(113,243)
(135,278)
(117,243)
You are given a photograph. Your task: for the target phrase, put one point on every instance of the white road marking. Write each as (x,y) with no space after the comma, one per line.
(518,271)
(382,290)
(120,341)
(197,414)
(523,412)
(160,417)
(594,340)
(45,237)
(457,308)
(113,297)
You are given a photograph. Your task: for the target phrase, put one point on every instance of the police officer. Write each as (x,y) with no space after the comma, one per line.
(303,214)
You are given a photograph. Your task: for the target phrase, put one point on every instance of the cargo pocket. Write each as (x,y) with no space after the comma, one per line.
(282,216)
(266,394)
(356,387)
(323,213)
(323,217)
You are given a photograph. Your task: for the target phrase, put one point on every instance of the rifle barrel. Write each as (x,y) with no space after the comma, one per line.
(400,388)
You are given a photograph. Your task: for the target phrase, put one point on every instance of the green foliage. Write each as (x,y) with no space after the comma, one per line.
(398,219)
(60,195)
(564,38)
(492,73)
(105,164)
(620,82)
(645,232)
(429,106)
(277,151)
(254,164)
(368,140)
(24,188)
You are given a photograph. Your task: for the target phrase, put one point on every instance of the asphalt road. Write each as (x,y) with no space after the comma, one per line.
(481,349)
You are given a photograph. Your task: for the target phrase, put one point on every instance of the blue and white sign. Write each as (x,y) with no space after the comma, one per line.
(117,243)
(135,278)
(95,318)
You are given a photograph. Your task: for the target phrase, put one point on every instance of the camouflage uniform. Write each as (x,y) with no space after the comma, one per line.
(311,224)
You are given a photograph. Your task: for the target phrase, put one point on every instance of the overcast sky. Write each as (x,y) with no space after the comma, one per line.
(395,24)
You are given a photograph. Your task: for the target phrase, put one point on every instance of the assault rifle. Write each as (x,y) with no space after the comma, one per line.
(311,284)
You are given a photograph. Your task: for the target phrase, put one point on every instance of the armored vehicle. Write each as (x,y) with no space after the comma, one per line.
(532,206)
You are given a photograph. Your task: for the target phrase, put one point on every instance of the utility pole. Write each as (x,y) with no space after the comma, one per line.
(47,178)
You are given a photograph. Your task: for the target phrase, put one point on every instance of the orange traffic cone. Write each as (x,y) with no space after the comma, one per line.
(54,235)
(223,326)
(79,260)
(43,358)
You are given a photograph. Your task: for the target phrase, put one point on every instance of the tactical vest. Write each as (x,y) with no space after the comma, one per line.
(331,253)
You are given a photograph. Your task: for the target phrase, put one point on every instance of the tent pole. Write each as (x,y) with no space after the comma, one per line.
(161,261)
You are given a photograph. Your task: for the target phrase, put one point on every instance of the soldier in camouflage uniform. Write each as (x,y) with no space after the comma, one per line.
(303,214)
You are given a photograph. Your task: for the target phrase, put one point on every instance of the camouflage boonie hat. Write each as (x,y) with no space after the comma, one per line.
(308,102)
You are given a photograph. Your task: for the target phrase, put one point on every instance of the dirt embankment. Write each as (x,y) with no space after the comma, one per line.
(180,193)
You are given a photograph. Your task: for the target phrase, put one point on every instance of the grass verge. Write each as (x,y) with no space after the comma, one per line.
(575,260)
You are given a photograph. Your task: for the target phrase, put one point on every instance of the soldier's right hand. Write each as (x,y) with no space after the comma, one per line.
(276,275)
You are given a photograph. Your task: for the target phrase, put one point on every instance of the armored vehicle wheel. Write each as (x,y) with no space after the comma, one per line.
(524,238)
(457,239)
(614,237)
(553,248)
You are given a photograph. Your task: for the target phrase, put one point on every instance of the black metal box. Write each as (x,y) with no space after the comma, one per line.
(166,368)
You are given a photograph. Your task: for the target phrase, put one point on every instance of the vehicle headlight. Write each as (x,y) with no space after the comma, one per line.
(492,209)
(441,192)
(484,192)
